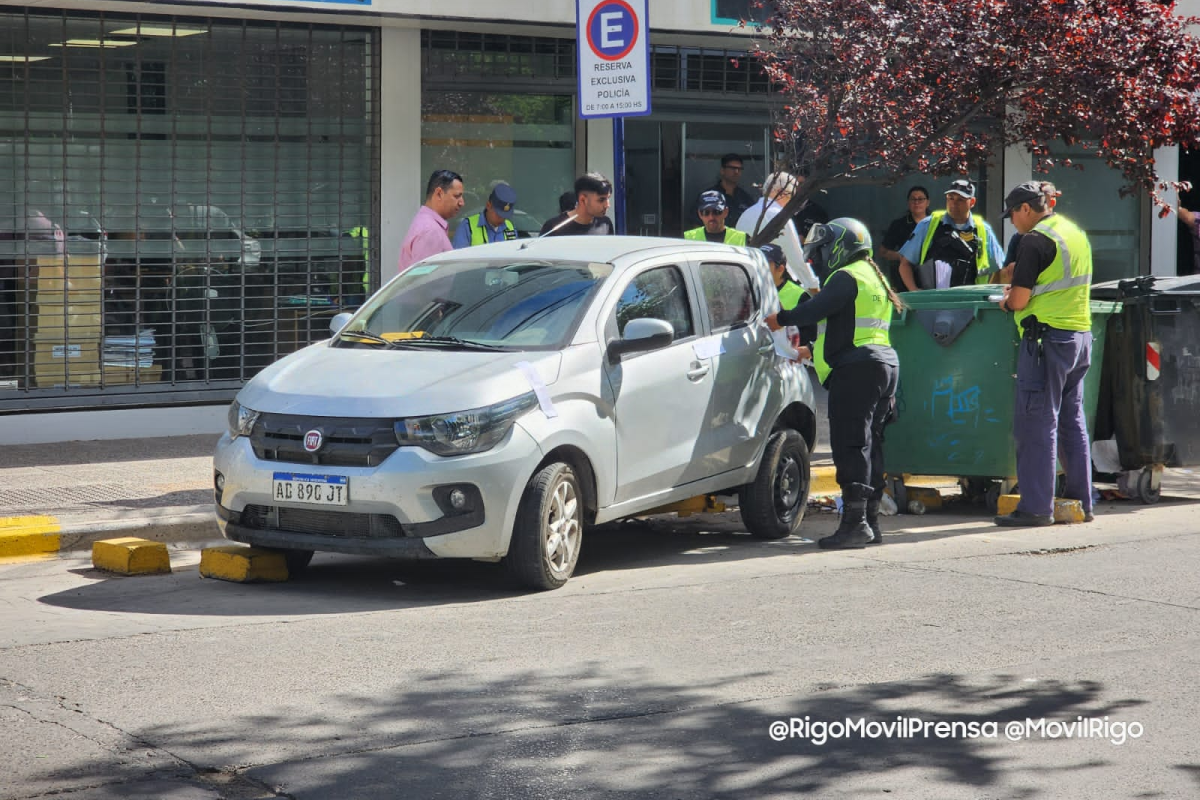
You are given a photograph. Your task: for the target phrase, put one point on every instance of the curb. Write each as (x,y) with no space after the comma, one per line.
(47,535)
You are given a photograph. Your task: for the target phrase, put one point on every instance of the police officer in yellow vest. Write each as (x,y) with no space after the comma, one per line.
(712,211)
(791,294)
(955,241)
(1049,298)
(493,224)
(854,359)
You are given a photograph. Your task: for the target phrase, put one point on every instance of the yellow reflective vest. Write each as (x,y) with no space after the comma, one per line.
(789,295)
(732,236)
(479,231)
(1061,296)
(981,252)
(872,315)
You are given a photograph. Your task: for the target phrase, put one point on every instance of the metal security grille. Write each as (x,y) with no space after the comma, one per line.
(686,69)
(182,200)
(458,55)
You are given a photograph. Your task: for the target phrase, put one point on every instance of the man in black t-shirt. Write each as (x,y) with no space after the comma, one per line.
(592,193)
(737,199)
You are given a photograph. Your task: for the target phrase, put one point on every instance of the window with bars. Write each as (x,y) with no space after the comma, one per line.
(182,200)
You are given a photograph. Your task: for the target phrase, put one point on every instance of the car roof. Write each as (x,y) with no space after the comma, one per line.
(595,249)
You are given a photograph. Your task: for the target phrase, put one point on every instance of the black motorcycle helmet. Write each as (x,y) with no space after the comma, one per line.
(832,245)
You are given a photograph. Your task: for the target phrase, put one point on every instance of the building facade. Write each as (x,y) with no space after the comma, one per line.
(190,192)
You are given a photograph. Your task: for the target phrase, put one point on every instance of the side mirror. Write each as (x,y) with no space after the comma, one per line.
(641,335)
(339,321)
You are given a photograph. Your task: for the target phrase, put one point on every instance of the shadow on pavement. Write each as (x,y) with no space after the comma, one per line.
(604,731)
(336,584)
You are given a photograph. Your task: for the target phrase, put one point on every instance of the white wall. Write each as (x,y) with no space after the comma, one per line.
(1164,232)
(123,423)
(401,182)
(675,15)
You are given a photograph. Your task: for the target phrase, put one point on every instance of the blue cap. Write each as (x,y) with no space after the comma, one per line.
(503,200)
(774,253)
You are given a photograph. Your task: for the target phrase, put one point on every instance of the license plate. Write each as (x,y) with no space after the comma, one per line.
(320,490)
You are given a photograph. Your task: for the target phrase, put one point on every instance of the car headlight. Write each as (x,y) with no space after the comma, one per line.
(241,419)
(462,432)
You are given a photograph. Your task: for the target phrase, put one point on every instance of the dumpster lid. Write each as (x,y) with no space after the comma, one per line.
(1146,285)
(956,297)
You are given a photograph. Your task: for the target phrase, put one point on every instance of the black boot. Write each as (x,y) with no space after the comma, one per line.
(853,532)
(873,520)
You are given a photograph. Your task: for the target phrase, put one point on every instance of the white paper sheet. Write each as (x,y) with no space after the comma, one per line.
(539,388)
(707,348)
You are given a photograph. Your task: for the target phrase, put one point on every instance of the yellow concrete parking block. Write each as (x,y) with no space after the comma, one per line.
(1064,510)
(243,564)
(29,536)
(822,482)
(131,556)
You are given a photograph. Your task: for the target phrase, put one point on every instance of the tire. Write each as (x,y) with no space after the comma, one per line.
(548,533)
(1145,491)
(773,505)
(297,561)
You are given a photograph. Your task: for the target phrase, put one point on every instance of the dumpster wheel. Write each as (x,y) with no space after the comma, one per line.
(1148,489)
(992,498)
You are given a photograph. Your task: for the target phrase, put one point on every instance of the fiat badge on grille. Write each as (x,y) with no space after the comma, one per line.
(313,441)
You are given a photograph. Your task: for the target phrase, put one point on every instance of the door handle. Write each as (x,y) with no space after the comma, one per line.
(765,349)
(697,371)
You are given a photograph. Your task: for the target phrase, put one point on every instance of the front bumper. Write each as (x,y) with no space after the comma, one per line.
(392,508)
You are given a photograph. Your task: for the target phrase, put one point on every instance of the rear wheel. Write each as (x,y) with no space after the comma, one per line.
(773,505)
(549,529)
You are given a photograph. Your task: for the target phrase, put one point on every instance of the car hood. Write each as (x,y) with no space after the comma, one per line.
(353,382)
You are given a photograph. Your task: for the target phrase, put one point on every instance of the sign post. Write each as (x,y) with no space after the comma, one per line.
(613,47)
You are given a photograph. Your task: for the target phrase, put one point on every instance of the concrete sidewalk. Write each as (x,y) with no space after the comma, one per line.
(65,496)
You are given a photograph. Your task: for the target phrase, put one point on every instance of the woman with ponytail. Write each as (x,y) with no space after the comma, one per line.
(855,361)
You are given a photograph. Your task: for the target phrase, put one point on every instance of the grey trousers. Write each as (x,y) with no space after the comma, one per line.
(1048,421)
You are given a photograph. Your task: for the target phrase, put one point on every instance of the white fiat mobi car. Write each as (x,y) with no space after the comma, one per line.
(495,402)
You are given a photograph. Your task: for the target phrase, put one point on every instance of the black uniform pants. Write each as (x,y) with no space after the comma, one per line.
(861,398)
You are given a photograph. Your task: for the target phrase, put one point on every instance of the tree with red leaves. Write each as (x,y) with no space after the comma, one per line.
(873,90)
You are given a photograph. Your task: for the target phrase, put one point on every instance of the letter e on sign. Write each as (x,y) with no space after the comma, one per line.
(612,38)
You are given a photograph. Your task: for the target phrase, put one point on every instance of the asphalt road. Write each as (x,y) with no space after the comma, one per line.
(655,673)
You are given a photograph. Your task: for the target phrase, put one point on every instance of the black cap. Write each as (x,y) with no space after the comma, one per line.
(962,187)
(1022,193)
(711,199)
(774,253)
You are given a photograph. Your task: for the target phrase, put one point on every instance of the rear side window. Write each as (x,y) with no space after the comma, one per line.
(658,293)
(728,295)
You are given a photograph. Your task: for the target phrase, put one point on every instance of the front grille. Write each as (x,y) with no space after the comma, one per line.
(323,522)
(348,442)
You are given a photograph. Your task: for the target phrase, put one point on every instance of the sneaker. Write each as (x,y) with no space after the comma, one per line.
(1023,519)
(1088,516)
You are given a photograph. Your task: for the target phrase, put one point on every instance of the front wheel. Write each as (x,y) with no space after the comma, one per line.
(773,504)
(549,529)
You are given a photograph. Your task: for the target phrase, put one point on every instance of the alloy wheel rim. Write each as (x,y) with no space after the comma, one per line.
(562,527)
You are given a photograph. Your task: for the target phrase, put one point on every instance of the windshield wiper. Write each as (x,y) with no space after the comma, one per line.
(366,337)
(454,341)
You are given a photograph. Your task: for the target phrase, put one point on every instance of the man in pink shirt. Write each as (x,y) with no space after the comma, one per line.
(428,233)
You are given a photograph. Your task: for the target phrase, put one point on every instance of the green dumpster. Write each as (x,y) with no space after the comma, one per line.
(958,365)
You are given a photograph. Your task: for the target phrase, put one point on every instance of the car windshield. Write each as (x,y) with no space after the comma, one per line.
(502,305)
